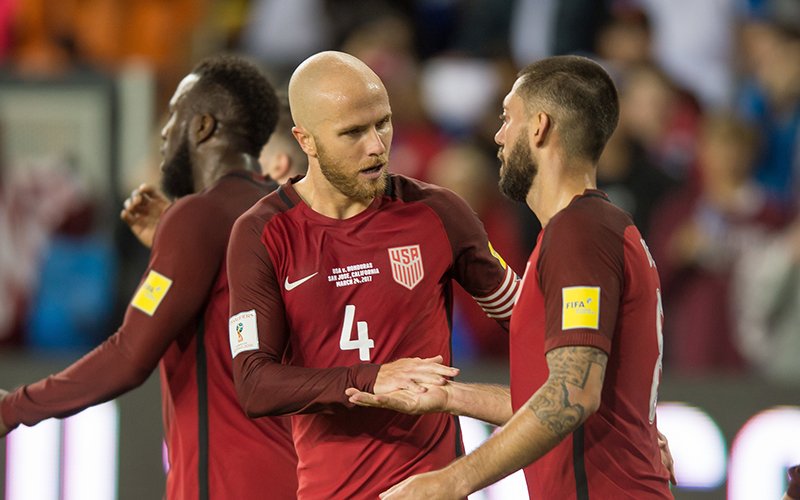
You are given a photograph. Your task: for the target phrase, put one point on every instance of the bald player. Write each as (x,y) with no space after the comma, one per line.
(343,278)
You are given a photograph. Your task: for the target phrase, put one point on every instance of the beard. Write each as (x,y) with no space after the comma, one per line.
(517,174)
(352,186)
(177,179)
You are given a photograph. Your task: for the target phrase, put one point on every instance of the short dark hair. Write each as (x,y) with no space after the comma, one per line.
(235,91)
(579,96)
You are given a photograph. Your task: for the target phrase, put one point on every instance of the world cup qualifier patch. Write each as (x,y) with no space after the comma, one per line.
(580,307)
(243,332)
(151,293)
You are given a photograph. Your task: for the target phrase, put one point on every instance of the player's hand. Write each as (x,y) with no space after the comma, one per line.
(433,400)
(410,373)
(142,211)
(435,485)
(666,457)
(3,428)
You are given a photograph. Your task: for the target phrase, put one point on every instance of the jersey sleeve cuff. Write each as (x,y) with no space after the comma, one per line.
(590,339)
(363,376)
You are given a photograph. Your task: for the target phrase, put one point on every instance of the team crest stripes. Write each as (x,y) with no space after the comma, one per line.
(500,303)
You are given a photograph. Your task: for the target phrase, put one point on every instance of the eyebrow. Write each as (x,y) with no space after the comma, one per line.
(362,126)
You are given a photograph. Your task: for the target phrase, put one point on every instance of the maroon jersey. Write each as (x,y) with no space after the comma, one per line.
(333,299)
(179,316)
(591,281)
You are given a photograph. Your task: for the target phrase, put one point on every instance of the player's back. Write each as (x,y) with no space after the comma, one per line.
(593,245)
(213,447)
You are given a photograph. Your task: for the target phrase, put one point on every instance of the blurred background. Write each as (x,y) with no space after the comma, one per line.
(706,159)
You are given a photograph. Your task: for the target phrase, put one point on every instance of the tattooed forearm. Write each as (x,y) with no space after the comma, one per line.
(560,402)
(551,405)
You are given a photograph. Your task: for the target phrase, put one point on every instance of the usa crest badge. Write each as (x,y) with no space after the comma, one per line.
(407,266)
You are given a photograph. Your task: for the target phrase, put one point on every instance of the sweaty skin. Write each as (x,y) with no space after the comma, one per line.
(343,124)
(321,84)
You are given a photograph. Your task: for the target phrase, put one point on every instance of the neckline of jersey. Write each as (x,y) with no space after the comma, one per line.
(312,214)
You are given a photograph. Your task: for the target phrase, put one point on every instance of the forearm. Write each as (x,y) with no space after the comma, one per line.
(265,387)
(568,397)
(533,431)
(99,376)
(489,403)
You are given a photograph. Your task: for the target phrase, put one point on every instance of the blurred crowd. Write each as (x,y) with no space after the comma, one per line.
(706,157)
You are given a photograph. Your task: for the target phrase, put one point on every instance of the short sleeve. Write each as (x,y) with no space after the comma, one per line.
(581,273)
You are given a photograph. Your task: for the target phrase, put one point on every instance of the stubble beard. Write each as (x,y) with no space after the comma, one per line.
(518,172)
(363,190)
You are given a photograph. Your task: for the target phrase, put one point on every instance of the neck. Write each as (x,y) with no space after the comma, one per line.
(211,169)
(559,180)
(322,197)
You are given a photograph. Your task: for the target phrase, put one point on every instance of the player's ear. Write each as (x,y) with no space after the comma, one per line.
(202,127)
(542,124)
(306,141)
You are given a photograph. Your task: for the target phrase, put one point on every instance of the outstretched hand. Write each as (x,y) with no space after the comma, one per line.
(666,457)
(411,373)
(142,211)
(3,428)
(433,400)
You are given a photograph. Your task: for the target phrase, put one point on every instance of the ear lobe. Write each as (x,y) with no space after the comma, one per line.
(203,127)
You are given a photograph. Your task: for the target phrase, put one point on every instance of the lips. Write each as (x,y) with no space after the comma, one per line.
(372,170)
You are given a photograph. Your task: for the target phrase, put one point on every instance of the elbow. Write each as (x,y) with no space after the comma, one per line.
(250,410)
(246,398)
(256,407)
(592,403)
(251,397)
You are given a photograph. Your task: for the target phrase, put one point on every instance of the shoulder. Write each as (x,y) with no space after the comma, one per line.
(190,222)
(441,200)
(191,210)
(588,221)
(264,210)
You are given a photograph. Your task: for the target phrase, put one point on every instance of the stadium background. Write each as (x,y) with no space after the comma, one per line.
(706,158)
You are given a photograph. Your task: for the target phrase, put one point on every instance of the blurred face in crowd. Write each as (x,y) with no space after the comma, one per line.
(518,168)
(177,179)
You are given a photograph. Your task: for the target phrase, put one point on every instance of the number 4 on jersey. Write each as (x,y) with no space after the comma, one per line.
(363,343)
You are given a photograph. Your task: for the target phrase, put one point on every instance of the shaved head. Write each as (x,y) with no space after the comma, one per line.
(325,82)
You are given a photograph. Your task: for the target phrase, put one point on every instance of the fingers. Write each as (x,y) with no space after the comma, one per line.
(434,366)
(666,457)
(411,373)
(362,398)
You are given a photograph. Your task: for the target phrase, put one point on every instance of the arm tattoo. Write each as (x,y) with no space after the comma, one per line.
(551,403)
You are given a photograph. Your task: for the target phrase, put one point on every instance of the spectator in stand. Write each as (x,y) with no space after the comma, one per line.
(767,305)
(696,237)
(770,96)
(660,118)
(467,170)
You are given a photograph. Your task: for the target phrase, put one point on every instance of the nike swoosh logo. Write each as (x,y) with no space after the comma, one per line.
(291,285)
